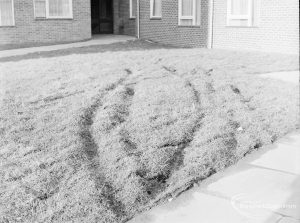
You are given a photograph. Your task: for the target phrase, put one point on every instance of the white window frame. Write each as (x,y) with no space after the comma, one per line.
(151,10)
(55,17)
(248,17)
(13,15)
(131,16)
(181,17)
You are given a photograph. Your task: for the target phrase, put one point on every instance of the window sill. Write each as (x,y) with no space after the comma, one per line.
(187,26)
(251,27)
(11,26)
(44,19)
(132,18)
(155,18)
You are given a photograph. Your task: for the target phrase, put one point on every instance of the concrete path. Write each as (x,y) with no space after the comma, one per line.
(97,40)
(262,188)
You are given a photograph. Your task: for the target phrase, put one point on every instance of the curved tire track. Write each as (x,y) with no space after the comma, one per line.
(89,148)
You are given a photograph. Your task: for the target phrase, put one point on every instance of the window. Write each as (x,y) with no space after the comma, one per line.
(53,9)
(40,8)
(155,8)
(189,12)
(7,13)
(133,8)
(242,12)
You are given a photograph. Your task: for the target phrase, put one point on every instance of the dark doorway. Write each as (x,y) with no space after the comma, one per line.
(102,16)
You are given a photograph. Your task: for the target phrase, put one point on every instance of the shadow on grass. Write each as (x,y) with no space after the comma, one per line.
(134,45)
(27,45)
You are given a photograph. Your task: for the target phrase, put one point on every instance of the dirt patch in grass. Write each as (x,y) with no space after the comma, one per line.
(101,137)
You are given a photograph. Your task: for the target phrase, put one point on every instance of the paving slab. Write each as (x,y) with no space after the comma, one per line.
(288,220)
(264,187)
(98,40)
(198,207)
(287,76)
(280,157)
(261,189)
(291,139)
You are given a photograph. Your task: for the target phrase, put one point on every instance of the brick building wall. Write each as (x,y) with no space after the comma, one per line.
(123,24)
(27,29)
(278,29)
(166,29)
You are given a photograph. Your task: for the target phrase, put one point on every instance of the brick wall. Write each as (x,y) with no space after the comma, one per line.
(278,29)
(167,30)
(27,29)
(123,24)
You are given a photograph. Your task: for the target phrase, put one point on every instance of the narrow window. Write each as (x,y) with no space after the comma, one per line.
(242,12)
(53,9)
(40,8)
(7,13)
(189,12)
(60,8)
(133,8)
(155,8)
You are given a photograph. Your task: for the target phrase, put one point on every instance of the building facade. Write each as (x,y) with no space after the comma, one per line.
(28,21)
(161,21)
(262,25)
(259,25)
(48,21)
(271,26)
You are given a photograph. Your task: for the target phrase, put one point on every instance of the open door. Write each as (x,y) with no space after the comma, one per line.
(102,16)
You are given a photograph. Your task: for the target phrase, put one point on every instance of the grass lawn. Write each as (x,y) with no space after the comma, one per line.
(99,134)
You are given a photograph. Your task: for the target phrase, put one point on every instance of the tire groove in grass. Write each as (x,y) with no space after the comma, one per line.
(109,127)
(159,183)
(90,149)
(228,139)
(246,102)
(151,185)
(179,155)
(156,185)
